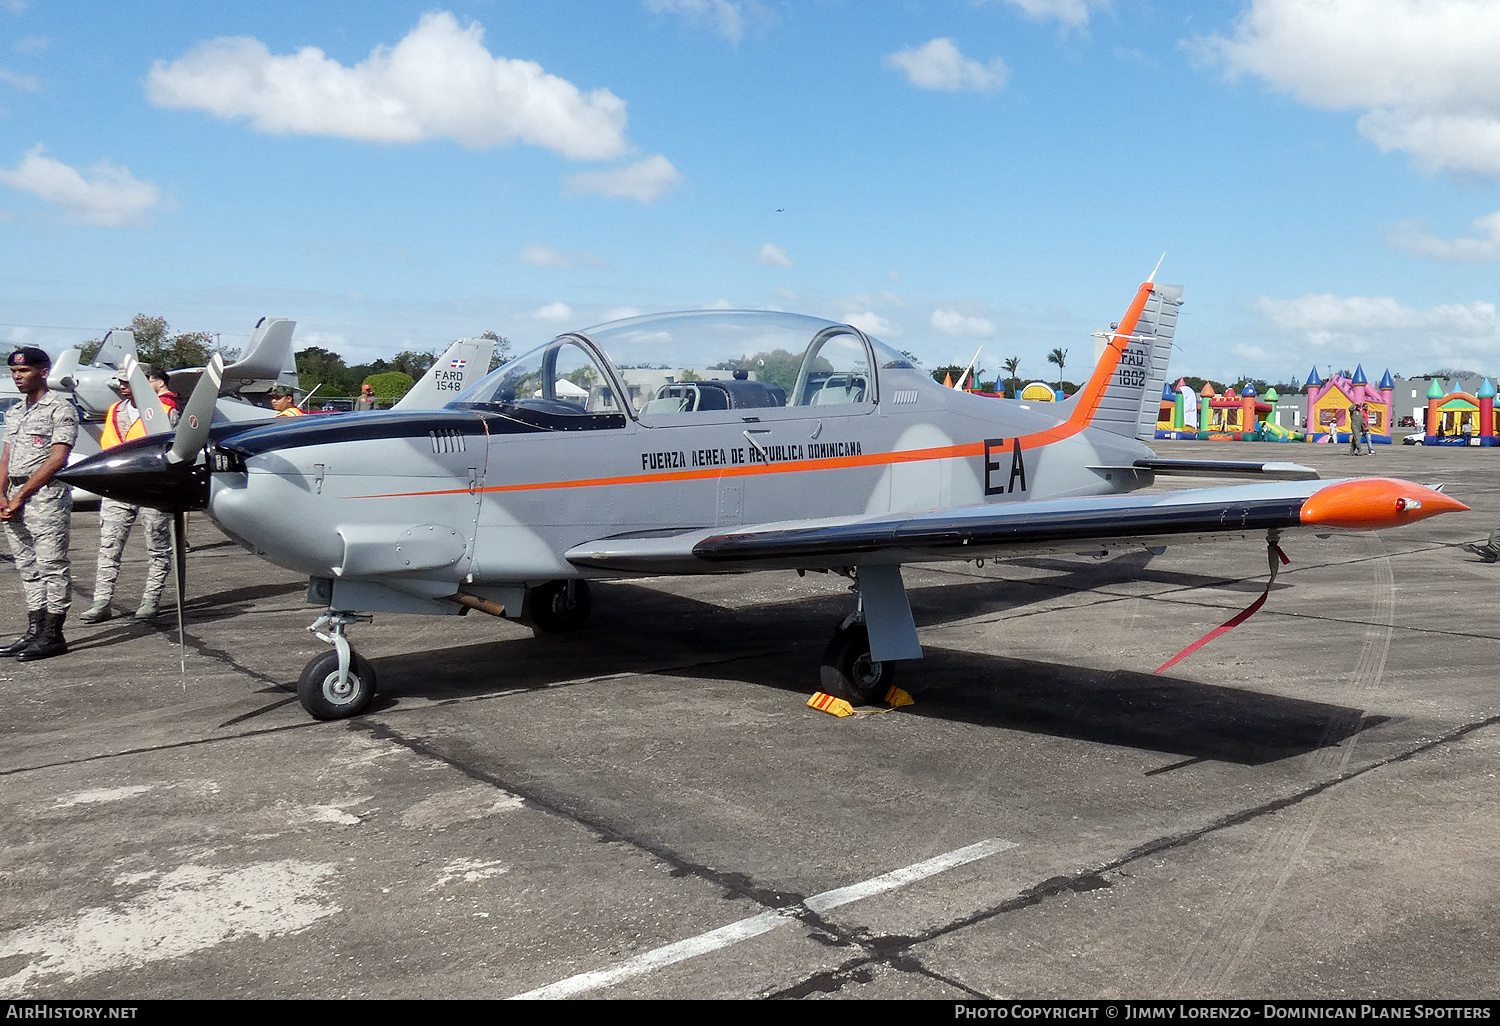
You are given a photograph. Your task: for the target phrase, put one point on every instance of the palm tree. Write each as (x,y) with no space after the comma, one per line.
(1012,365)
(1059,357)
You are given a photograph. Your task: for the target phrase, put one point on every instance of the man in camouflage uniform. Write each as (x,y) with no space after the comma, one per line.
(39,433)
(122,422)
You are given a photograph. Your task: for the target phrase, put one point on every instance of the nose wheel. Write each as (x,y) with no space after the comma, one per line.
(339,683)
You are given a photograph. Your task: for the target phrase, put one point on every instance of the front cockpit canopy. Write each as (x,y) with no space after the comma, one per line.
(698,361)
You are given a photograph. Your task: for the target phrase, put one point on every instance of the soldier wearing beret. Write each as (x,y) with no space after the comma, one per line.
(39,433)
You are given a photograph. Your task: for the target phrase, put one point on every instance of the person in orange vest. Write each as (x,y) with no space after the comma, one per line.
(123,423)
(281,402)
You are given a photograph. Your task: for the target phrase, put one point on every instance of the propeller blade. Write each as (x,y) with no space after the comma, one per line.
(179,574)
(197,418)
(145,398)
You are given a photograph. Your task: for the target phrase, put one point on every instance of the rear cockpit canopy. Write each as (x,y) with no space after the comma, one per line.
(665,365)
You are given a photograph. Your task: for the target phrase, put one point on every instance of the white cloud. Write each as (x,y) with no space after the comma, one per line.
(1423,71)
(1351,327)
(619,313)
(541,255)
(773,256)
(725,18)
(554,312)
(1481,250)
(938,64)
(1072,13)
(957,325)
(871,323)
(26,83)
(439,82)
(33,45)
(647,181)
(111,196)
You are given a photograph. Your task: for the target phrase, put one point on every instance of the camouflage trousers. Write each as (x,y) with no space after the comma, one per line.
(115,521)
(38,537)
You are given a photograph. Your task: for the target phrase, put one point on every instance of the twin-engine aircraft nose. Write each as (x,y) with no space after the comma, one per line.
(140,474)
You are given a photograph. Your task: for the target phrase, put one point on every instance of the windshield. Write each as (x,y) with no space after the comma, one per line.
(698,361)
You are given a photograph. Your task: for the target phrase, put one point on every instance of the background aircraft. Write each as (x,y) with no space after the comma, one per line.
(710,442)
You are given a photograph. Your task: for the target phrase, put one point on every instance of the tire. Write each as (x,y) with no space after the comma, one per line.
(554,611)
(849,673)
(317,687)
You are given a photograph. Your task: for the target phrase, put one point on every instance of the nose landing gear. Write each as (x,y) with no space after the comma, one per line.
(339,683)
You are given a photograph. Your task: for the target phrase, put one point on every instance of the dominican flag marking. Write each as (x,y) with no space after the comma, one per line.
(192,420)
(458,364)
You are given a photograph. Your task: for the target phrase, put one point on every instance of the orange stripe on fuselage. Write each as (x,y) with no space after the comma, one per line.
(1093,392)
(1083,413)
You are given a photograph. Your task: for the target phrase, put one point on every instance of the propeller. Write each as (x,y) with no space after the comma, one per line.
(192,434)
(198,416)
(153,413)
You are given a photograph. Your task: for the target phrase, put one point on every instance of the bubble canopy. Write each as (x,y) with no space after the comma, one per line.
(693,362)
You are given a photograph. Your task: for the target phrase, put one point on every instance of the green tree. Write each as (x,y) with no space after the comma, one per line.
(776,367)
(390,384)
(502,353)
(1012,364)
(948,370)
(318,366)
(413,363)
(1059,357)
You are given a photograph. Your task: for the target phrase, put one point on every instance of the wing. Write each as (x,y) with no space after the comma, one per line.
(1092,525)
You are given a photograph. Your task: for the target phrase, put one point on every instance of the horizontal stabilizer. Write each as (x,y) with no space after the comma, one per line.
(1277,471)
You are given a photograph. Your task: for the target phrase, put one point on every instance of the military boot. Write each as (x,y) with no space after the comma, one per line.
(49,640)
(33,629)
(150,607)
(98,612)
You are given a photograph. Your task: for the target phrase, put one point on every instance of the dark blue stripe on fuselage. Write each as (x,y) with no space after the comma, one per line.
(297,432)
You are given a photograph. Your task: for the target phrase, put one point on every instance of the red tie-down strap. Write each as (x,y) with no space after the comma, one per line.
(1273,553)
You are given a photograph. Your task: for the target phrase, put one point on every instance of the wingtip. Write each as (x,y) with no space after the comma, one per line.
(1370,504)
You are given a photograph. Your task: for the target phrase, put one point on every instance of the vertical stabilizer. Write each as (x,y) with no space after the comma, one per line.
(265,354)
(118,343)
(1124,392)
(465,362)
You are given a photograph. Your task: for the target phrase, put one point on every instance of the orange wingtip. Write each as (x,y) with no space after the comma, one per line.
(1375,502)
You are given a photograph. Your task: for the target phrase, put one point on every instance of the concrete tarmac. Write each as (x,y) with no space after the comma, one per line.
(1306,807)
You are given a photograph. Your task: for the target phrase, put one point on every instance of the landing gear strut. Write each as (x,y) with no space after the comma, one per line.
(559,606)
(339,683)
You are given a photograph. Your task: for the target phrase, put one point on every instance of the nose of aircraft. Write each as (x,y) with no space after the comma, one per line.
(139,473)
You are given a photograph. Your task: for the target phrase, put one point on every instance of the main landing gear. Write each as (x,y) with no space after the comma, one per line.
(559,606)
(848,672)
(339,683)
(859,664)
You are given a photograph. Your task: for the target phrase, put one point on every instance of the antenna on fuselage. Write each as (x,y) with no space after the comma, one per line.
(1152,279)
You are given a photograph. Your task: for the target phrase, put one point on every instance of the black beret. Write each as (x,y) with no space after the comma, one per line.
(29,356)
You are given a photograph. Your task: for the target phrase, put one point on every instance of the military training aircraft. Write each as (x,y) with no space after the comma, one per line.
(711,442)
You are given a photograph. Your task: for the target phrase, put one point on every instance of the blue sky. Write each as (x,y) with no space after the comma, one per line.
(1321,174)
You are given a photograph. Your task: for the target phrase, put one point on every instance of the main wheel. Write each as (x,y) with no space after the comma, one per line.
(560,606)
(849,673)
(325,697)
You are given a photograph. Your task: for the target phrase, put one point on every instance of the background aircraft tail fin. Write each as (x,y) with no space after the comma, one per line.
(1124,392)
(465,362)
(118,343)
(266,353)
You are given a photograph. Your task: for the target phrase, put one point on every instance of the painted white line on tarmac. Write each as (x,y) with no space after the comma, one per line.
(765,922)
